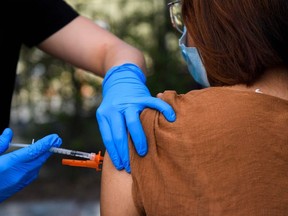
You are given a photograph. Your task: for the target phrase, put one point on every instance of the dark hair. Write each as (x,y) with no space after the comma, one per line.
(238,39)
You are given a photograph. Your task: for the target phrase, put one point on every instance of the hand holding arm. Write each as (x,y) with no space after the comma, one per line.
(125,95)
(20,167)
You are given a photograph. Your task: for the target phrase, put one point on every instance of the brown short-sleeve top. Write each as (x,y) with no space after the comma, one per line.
(226,154)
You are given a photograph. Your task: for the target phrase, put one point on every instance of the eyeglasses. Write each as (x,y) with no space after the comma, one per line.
(176,15)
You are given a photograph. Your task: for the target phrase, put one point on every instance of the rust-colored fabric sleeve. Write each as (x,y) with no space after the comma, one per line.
(226,154)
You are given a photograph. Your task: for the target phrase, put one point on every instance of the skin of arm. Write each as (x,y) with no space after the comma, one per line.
(86,45)
(116,191)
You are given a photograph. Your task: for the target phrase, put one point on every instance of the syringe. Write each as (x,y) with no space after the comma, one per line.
(90,156)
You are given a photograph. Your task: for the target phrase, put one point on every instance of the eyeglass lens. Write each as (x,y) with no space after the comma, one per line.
(176,16)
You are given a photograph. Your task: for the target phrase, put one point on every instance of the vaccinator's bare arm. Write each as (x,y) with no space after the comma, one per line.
(86,45)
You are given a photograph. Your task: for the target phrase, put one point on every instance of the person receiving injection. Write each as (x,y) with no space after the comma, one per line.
(22,166)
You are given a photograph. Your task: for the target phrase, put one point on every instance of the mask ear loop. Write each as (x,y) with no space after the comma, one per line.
(95,162)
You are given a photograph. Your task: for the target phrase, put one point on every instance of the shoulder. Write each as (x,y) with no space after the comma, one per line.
(210,107)
(215,99)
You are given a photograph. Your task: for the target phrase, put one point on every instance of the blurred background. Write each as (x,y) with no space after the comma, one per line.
(54,97)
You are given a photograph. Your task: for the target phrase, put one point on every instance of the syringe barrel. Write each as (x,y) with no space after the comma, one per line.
(71,152)
(61,151)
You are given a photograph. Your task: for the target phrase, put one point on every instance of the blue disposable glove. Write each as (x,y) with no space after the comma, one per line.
(20,167)
(125,95)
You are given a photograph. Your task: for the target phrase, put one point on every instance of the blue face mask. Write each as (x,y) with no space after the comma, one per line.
(194,62)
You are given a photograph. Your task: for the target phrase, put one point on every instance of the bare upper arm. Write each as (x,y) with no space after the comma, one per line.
(116,191)
(80,43)
(86,45)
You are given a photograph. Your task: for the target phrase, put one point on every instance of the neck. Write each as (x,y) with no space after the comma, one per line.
(273,82)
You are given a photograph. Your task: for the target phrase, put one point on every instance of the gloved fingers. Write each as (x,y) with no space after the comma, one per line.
(41,146)
(161,106)
(16,181)
(5,139)
(38,162)
(22,178)
(31,176)
(120,137)
(33,151)
(108,141)
(136,130)
(13,169)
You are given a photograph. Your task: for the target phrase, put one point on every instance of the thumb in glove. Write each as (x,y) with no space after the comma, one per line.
(19,168)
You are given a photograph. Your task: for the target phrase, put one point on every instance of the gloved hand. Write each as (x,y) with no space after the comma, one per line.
(20,167)
(125,95)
